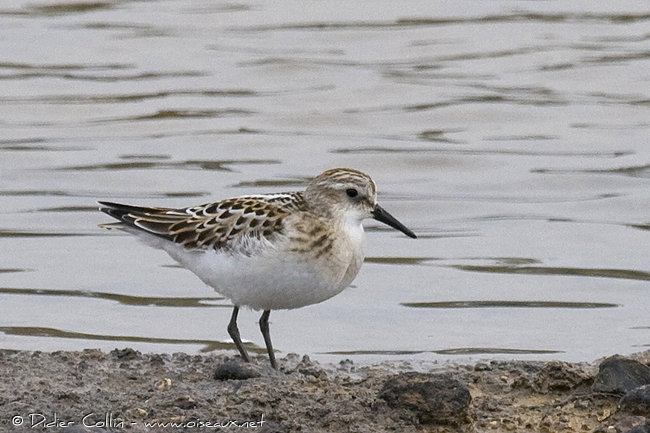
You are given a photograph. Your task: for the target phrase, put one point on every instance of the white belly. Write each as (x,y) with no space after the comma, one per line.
(272,281)
(273,278)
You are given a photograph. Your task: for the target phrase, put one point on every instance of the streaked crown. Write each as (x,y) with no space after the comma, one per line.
(343,190)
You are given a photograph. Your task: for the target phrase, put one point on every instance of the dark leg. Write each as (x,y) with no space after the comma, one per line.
(264,327)
(234,334)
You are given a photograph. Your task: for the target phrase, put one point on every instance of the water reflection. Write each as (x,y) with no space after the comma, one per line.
(67,209)
(400,260)
(64,8)
(634,171)
(95,194)
(122,299)
(552,270)
(462,351)
(494,351)
(508,304)
(65,99)
(273,183)
(207,345)
(495,151)
(187,165)
(95,72)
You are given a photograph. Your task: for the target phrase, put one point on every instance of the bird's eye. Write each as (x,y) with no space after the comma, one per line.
(351,192)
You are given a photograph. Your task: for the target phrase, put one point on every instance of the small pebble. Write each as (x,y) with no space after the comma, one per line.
(235,370)
(163,383)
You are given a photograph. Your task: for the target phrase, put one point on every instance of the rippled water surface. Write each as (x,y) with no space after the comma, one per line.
(512,137)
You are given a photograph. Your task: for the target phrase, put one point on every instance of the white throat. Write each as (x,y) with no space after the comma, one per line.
(354,229)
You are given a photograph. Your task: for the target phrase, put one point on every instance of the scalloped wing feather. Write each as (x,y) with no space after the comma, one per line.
(244,224)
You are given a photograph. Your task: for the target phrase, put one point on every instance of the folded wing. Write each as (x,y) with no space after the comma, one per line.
(228,224)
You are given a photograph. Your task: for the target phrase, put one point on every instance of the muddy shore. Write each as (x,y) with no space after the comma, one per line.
(126,391)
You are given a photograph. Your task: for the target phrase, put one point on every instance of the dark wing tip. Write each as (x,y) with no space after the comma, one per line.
(116,210)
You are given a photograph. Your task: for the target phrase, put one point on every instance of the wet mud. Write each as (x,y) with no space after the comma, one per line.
(127,391)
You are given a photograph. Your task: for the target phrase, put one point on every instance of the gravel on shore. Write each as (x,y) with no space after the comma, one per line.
(127,391)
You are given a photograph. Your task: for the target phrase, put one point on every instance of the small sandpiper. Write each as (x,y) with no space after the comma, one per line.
(268,251)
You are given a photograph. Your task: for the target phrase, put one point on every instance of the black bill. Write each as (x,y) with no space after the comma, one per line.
(381,215)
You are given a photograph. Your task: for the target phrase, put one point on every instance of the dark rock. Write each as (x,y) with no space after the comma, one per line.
(627,423)
(236,370)
(618,375)
(644,428)
(637,401)
(433,399)
(127,354)
(560,376)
